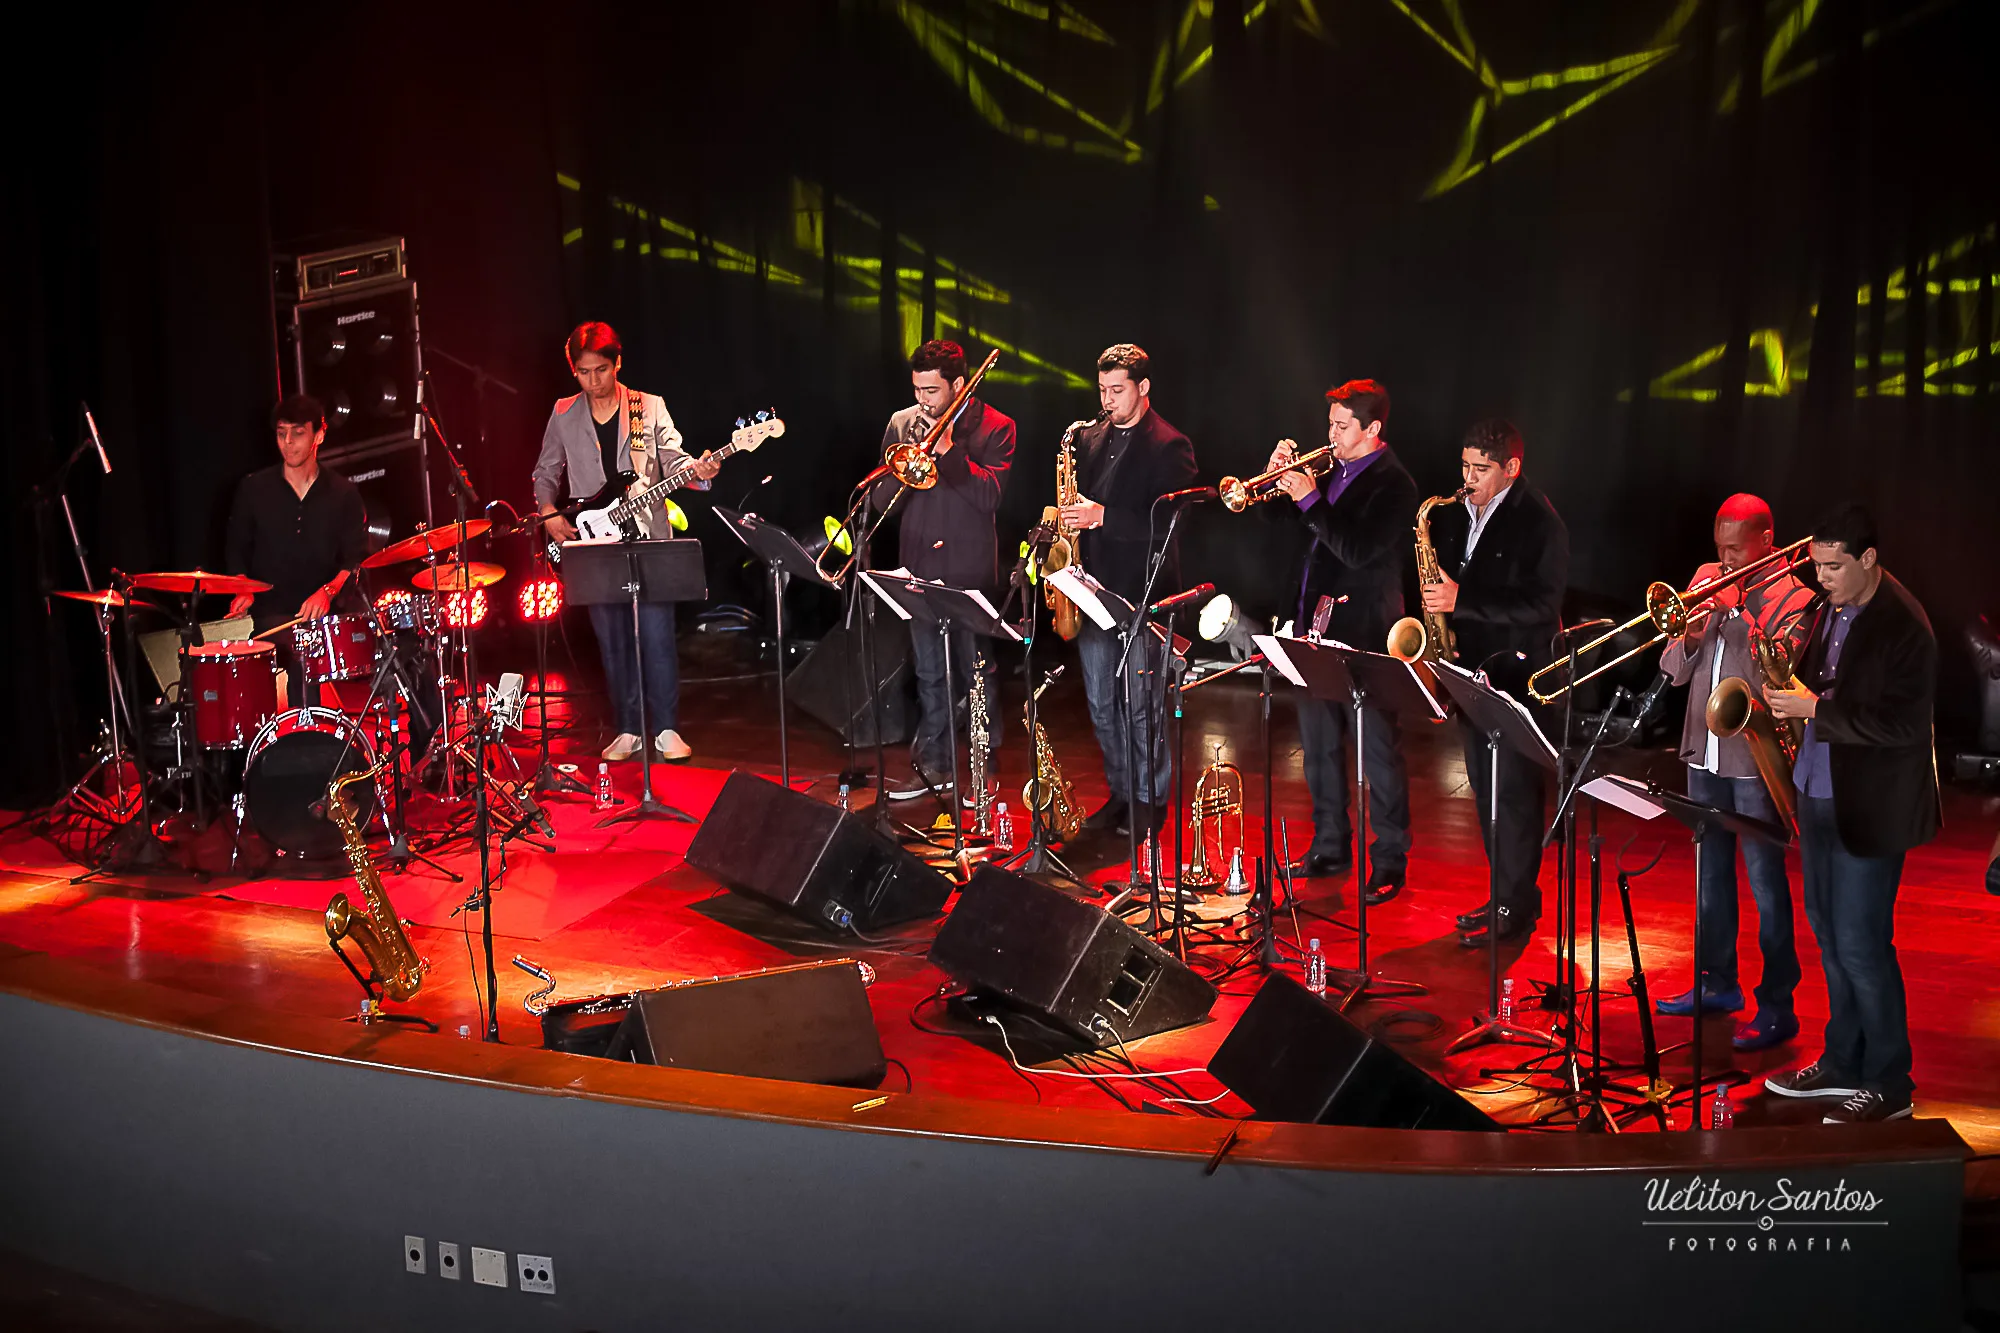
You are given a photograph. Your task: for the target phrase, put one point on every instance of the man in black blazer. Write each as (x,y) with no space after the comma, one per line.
(1868,792)
(1123,465)
(1505,556)
(1359,516)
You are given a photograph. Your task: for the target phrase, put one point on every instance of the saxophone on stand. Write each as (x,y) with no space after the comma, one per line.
(395,972)
(1049,794)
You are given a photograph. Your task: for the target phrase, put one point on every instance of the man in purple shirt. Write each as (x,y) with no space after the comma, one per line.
(1867,783)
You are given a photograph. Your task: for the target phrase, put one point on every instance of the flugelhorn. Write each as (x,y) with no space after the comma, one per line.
(913,462)
(1239,493)
(1218,799)
(1669,612)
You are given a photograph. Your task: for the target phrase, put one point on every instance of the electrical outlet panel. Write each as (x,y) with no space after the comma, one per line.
(448,1260)
(413,1254)
(489,1267)
(535,1272)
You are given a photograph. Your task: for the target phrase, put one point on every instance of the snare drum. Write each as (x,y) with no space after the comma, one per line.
(288,769)
(338,647)
(235,692)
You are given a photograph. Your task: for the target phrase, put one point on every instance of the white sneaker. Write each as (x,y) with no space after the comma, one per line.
(623,747)
(670,745)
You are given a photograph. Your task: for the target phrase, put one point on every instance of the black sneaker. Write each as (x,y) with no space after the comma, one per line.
(1107,817)
(1867,1108)
(1812,1081)
(903,789)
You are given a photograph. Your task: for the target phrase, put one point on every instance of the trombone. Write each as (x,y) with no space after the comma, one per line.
(1239,493)
(1669,611)
(913,463)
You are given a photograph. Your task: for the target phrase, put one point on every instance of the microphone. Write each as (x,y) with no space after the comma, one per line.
(1651,699)
(103,459)
(1198,592)
(1193,493)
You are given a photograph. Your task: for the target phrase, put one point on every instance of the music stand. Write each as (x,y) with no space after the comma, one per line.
(603,573)
(782,556)
(1502,721)
(1699,819)
(1336,673)
(945,607)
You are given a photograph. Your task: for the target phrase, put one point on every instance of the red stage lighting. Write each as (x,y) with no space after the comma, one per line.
(465,610)
(392,596)
(541,598)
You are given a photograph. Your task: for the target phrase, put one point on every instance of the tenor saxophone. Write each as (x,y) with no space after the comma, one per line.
(977,721)
(1049,791)
(1428,639)
(393,964)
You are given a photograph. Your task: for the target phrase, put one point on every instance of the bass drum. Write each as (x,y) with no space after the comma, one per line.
(287,772)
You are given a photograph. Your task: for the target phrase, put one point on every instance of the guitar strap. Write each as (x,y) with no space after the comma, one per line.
(635,441)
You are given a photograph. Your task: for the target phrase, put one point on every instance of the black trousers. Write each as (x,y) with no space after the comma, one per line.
(1327,749)
(1514,842)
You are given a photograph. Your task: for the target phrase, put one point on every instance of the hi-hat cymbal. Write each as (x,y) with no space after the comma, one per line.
(441,538)
(457,578)
(105,598)
(199,580)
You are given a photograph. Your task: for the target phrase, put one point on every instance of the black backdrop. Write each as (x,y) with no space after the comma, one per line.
(1689,246)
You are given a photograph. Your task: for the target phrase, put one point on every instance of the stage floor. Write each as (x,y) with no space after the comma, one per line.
(615,909)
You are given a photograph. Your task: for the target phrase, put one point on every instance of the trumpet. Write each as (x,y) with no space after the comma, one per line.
(1239,493)
(1669,612)
(913,462)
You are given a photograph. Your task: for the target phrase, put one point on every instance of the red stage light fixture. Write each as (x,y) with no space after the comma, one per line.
(392,596)
(541,598)
(466,610)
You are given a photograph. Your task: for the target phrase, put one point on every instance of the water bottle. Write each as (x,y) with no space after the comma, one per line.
(1315,968)
(465,1032)
(846,796)
(1507,1000)
(1003,829)
(605,800)
(1721,1115)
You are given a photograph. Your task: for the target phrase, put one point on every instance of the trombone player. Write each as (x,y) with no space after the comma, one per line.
(1358,517)
(1721,772)
(947,535)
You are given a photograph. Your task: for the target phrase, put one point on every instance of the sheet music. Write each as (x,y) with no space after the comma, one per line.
(1082,589)
(1627,795)
(868,577)
(1274,652)
(1548,750)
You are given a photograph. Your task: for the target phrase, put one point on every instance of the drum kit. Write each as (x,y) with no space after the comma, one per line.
(229,732)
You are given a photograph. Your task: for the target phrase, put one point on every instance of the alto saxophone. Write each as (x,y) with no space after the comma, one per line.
(1429,639)
(977,722)
(1049,791)
(1063,613)
(393,964)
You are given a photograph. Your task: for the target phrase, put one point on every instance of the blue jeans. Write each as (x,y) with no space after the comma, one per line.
(1851,906)
(613,623)
(1326,745)
(1100,650)
(1770,887)
(938,700)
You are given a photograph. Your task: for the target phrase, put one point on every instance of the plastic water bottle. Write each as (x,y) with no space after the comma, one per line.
(1003,829)
(465,1032)
(1721,1115)
(1507,1000)
(846,796)
(605,800)
(1315,968)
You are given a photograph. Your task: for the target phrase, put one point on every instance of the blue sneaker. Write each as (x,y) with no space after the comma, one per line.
(1712,1002)
(1765,1031)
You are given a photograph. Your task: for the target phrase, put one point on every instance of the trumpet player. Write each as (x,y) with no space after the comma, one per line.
(1506,556)
(947,534)
(1721,772)
(1867,793)
(1126,463)
(1358,515)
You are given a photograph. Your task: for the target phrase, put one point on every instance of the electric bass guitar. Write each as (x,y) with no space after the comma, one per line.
(612,513)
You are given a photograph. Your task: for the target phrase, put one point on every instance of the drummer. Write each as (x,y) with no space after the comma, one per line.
(299,527)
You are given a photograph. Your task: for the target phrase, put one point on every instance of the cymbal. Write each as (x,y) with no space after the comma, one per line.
(442,538)
(457,578)
(199,580)
(105,598)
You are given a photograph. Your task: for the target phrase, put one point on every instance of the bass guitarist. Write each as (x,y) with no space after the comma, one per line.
(606,430)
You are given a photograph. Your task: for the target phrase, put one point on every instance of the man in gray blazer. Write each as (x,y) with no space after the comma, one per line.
(590,437)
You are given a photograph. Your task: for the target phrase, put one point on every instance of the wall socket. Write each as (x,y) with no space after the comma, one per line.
(489,1267)
(535,1272)
(448,1260)
(413,1254)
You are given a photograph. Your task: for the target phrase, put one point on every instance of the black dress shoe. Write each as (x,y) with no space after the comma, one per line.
(1514,923)
(1383,885)
(1107,818)
(1474,919)
(1323,865)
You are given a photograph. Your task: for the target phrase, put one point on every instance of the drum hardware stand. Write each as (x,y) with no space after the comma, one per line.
(132,845)
(549,780)
(463,494)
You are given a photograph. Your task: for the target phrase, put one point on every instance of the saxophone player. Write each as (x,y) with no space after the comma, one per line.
(1721,772)
(1358,517)
(947,534)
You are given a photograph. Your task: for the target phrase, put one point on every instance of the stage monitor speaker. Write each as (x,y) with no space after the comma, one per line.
(1293,1056)
(828,687)
(357,353)
(1065,961)
(808,1024)
(392,485)
(811,858)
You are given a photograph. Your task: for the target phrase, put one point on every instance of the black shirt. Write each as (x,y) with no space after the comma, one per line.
(615,460)
(296,545)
